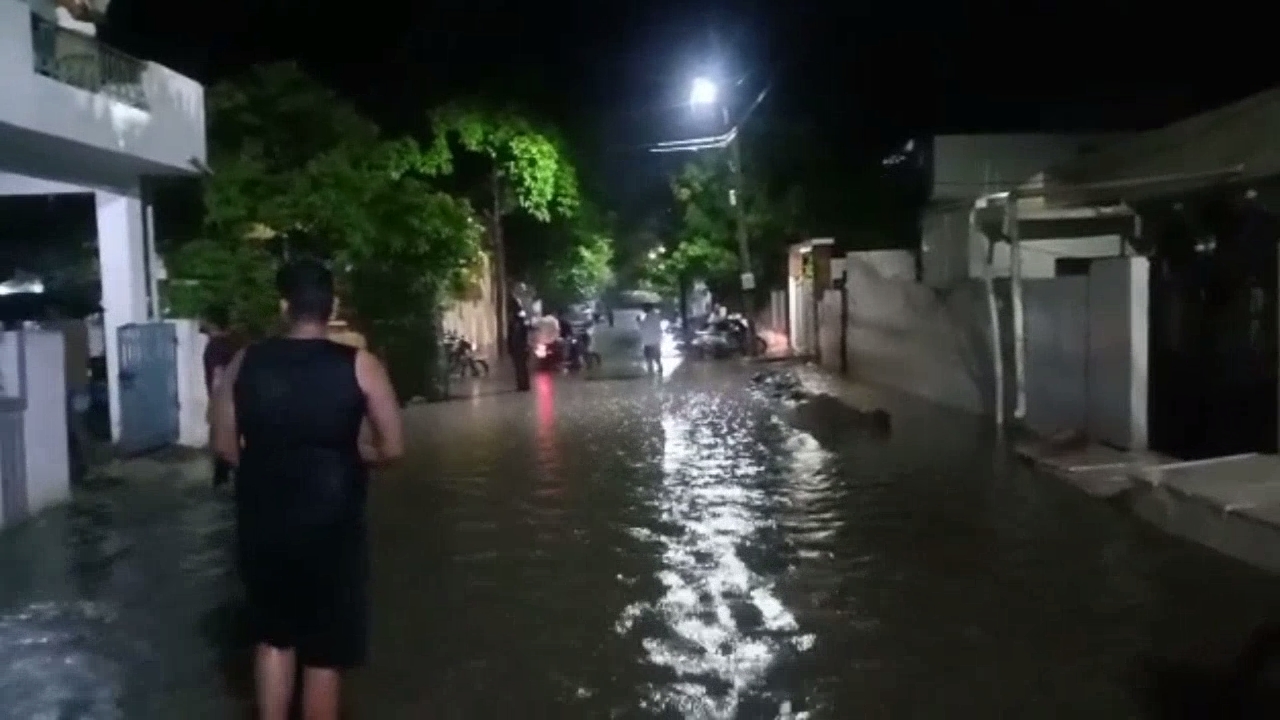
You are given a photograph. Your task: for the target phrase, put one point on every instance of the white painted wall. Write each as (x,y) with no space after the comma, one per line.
(121,256)
(1087,344)
(951,254)
(906,335)
(193,397)
(1039,256)
(45,423)
(1119,322)
(169,133)
(945,247)
(45,444)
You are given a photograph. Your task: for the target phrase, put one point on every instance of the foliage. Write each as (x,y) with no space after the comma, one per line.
(423,253)
(296,170)
(239,277)
(532,170)
(705,244)
(567,261)
(510,166)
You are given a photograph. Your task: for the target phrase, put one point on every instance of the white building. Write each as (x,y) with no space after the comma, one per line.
(78,116)
(962,168)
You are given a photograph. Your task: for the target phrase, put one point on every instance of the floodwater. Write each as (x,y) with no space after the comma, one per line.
(643,550)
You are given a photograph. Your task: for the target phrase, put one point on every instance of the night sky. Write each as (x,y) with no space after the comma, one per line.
(615,73)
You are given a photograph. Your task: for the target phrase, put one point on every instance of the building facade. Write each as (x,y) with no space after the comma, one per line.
(80,117)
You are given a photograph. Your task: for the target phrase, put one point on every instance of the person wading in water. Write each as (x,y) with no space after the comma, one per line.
(289,416)
(218,353)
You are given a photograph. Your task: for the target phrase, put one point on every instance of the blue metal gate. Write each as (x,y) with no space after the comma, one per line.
(148,386)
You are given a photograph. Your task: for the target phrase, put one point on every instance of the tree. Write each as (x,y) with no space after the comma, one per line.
(705,243)
(522,167)
(796,187)
(567,260)
(296,170)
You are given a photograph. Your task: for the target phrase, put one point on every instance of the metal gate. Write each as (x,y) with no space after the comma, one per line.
(148,386)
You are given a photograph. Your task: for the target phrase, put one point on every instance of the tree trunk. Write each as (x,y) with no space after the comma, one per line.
(500,289)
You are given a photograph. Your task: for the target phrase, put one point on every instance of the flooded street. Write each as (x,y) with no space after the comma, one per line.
(639,550)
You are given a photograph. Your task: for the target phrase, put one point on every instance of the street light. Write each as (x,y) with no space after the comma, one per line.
(704,92)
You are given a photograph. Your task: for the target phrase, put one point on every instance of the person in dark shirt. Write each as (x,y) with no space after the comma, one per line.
(518,345)
(218,353)
(303,417)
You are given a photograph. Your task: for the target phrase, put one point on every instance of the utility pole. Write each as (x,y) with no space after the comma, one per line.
(744,248)
(746,277)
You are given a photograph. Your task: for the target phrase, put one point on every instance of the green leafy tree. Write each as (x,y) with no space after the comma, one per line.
(567,261)
(296,170)
(517,165)
(705,244)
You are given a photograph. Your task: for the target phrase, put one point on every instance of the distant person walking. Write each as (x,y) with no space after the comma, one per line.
(290,414)
(218,354)
(651,338)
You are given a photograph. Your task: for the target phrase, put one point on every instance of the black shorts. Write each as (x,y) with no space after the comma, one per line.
(311,596)
(652,352)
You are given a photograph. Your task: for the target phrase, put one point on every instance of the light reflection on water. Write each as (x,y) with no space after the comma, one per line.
(56,662)
(644,549)
(724,625)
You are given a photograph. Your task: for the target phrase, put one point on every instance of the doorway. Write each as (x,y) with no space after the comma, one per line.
(1213,351)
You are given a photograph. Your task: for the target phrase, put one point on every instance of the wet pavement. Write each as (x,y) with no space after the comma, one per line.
(639,550)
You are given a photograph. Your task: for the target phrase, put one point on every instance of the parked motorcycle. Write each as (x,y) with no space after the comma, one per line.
(580,354)
(725,337)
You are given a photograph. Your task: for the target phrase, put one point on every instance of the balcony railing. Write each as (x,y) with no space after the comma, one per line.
(81,61)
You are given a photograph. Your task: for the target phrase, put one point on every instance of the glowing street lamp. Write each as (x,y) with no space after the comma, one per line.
(704,92)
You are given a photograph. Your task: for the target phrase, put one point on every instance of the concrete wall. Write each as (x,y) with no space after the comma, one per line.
(1057,341)
(830,331)
(45,423)
(1086,345)
(1119,327)
(31,363)
(475,317)
(967,166)
(1039,256)
(950,254)
(122,253)
(169,133)
(193,396)
(927,342)
(945,247)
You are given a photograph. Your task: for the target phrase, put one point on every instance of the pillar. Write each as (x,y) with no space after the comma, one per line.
(820,258)
(122,251)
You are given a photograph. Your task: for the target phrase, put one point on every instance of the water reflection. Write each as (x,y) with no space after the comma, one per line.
(60,662)
(719,626)
(635,549)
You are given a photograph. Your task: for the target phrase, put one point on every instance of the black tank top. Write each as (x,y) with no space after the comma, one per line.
(298,409)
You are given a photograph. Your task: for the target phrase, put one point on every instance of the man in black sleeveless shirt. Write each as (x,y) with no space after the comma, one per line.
(290,417)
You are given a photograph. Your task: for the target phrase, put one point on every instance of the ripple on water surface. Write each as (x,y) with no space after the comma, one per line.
(718,627)
(62,661)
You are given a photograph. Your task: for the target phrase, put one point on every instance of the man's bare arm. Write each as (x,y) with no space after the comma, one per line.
(382,408)
(224,436)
